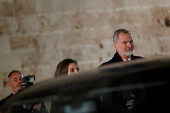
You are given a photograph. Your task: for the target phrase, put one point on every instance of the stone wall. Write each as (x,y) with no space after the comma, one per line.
(35,35)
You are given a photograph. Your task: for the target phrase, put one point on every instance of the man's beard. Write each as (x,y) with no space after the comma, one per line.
(127,53)
(20,86)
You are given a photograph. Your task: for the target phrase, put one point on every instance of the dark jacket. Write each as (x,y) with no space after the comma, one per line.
(5,99)
(117,58)
(118,99)
(20,109)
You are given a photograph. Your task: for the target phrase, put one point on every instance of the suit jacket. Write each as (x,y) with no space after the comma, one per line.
(21,109)
(120,98)
(117,58)
(5,99)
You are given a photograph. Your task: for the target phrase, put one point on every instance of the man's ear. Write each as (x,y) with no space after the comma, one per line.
(114,45)
(9,84)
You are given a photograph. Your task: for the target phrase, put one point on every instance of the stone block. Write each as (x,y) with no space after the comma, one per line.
(75,53)
(34,54)
(117,19)
(50,42)
(28,25)
(53,22)
(24,44)
(137,31)
(59,22)
(50,48)
(30,59)
(98,20)
(74,38)
(76,20)
(35,60)
(91,53)
(10,62)
(164,44)
(44,73)
(88,66)
(86,53)
(66,6)
(8,26)
(83,37)
(26,7)
(4,79)
(154,31)
(42,24)
(104,33)
(131,3)
(45,6)
(118,4)
(151,47)
(6,8)
(152,2)
(138,17)
(4,46)
(97,4)
(107,50)
(80,5)
(161,16)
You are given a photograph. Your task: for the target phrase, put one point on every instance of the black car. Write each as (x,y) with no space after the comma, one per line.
(135,87)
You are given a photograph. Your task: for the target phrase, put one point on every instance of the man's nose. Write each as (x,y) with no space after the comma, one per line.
(76,71)
(130,44)
(19,81)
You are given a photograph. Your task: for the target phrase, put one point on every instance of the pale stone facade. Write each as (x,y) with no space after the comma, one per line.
(35,35)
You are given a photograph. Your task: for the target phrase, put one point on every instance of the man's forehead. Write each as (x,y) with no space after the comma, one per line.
(125,36)
(15,75)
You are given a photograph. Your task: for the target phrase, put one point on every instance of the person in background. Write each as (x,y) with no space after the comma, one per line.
(14,82)
(14,78)
(66,67)
(123,43)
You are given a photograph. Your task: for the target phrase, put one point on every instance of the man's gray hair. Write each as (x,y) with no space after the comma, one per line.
(117,32)
(14,71)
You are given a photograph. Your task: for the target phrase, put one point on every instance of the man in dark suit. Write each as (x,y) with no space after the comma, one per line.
(123,43)
(15,83)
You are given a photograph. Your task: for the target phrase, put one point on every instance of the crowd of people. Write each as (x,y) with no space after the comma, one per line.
(122,42)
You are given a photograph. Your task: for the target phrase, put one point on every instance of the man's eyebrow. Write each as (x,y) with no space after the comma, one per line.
(72,68)
(125,41)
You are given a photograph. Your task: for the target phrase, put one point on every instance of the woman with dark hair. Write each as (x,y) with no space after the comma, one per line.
(66,67)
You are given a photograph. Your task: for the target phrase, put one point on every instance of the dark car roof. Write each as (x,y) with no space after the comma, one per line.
(89,83)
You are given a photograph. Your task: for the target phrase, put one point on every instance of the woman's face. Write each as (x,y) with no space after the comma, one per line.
(73,68)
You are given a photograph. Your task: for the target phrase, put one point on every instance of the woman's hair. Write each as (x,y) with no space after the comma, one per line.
(62,67)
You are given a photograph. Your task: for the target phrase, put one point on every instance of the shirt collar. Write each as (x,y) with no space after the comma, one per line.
(127,59)
(13,93)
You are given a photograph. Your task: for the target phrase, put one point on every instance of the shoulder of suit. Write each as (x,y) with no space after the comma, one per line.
(138,57)
(105,63)
(108,62)
(6,98)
